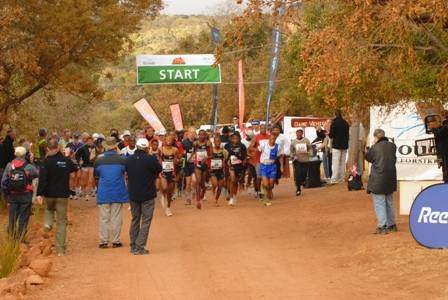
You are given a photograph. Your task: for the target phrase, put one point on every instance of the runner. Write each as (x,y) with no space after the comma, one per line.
(180,178)
(154,150)
(75,177)
(188,164)
(85,157)
(130,148)
(202,150)
(237,158)
(217,167)
(270,152)
(260,139)
(169,156)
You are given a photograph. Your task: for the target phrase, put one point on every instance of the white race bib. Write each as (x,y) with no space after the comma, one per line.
(201,155)
(234,160)
(301,148)
(168,166)
(216,164)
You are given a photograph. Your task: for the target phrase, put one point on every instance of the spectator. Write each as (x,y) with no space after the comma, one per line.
(125,142)
(41,146)
(130,148)
(301,152)
(7,149)
(17,184)
(112,193)
(54,185)
(143,170)
(339,133)
(383,180)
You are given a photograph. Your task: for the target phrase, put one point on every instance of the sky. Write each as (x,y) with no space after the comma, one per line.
(189,7)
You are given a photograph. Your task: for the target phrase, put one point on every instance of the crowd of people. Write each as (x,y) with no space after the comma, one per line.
(134,166)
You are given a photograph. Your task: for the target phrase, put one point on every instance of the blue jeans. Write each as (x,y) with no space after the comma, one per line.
(384,209)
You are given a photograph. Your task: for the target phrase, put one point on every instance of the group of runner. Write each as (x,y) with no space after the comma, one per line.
(225,161)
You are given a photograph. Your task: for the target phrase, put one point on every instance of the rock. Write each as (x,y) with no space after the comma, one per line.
(17,289)
(34,252)
(47,251)
(41,266)
(34,280)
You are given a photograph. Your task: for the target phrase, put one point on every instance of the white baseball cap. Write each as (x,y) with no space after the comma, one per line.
(161,132)
(95,136)
(142,143)
(126,132)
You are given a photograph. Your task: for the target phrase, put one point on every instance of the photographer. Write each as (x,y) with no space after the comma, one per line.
(441,140)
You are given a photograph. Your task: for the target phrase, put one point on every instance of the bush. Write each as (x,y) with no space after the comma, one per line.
(9,253)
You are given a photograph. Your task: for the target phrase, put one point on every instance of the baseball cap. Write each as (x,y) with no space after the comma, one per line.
(142,143)
(255,122)
(248,124)
(161,132)
(126,132)
(95,136)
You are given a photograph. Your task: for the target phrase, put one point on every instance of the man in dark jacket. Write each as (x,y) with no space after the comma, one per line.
(54,185)
(7,149)
(142,170)
(339,135)
(383,180)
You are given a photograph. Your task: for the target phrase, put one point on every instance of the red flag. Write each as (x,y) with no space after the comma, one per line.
(241,98)
(176,115)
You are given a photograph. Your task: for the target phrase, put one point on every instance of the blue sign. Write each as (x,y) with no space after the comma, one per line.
(428,220)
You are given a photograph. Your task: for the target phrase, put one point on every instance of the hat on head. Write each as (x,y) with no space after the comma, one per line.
(126,132)
(142,143)
(95,136)
(248,124)
(255,122)
(109,143)
(161,132)
(20,151)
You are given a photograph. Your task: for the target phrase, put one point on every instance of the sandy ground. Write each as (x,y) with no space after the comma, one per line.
(318,246)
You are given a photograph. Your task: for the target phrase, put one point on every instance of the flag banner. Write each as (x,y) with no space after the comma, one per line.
(214,120)
(273,66)
(216,36)
(178,69)
(148,113)
(241,96)
(176,114)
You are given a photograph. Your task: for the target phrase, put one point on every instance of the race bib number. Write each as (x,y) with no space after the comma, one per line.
(201,155)
(301,148)
(168,166)
(216,164)
(234,160)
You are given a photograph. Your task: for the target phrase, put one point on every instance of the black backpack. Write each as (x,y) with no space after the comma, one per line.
(17,180)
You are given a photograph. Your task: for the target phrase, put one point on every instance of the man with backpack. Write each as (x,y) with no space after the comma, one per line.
(17,184)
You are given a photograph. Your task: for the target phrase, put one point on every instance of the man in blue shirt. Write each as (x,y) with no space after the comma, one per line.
(111,194)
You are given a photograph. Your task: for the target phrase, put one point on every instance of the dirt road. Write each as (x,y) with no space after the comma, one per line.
(318,246)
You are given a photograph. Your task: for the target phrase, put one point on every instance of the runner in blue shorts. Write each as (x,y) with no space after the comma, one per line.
(268,168)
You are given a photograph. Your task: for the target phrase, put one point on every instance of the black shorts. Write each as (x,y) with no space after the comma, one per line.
(169,176)
(202,166)
(188,169)
(239,170)
(219,174)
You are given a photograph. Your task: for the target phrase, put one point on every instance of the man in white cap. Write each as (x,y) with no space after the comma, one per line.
(143,170)
(17,184)
(125,139)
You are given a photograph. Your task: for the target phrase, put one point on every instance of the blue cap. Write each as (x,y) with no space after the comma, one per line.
(255,122)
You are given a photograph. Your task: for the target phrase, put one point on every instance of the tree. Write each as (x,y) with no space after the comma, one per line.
(63,44)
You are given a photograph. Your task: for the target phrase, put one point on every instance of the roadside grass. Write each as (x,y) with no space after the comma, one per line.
(9,252)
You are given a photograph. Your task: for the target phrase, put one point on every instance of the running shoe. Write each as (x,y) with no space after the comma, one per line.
(298,192)
(392,228)
(168,212)
(267,203)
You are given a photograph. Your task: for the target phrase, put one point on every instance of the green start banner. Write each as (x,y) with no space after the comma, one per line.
(178,69)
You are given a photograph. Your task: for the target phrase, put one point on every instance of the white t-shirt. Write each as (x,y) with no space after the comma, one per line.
(126,151)
(285,143)
(266,150)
